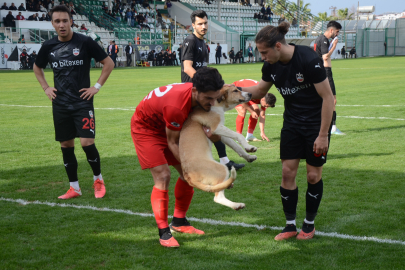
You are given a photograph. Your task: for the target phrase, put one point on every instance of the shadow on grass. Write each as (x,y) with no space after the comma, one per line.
(375,129)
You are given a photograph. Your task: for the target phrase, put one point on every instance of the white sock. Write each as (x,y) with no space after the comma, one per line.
(95,177)
(223,160)
(289,222)
(309,222)
(75,185)
(333,128)
(249,134)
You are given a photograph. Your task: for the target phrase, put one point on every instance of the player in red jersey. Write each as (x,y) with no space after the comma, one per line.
(155,129)
(269,100)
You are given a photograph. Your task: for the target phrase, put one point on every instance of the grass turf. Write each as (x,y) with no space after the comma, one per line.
(363,181)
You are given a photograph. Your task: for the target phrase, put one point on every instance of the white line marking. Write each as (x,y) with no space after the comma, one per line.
(272,114)
(206,220)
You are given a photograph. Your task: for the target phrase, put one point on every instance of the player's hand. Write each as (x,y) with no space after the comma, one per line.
(208,133)
(254,115)
(264,137)
(321,144)
(88,93)
(50,92)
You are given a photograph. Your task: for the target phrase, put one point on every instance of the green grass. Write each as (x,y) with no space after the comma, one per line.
(363,182)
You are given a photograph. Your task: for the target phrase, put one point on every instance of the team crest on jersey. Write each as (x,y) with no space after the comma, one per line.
(300,77)
(175,124)
(91,114)
(76,52)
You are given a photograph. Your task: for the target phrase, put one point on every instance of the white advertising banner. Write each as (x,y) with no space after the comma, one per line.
(11,52)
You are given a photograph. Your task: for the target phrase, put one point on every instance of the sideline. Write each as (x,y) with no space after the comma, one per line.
(206,220)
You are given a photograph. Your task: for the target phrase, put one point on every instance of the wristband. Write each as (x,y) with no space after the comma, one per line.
(98,86)
(46,88)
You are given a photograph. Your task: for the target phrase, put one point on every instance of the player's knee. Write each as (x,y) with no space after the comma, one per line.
(313,177)
(288,175)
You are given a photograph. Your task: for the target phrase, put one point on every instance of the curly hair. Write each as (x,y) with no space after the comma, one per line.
(207,79)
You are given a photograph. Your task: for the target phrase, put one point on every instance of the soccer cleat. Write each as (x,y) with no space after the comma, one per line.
(252,138)
(167,240)
(307,232)
(337,132)
(99,188)
(70,194)
(185,228)
(231,164)
(289,231)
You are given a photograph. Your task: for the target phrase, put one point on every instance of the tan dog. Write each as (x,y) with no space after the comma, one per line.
(200,170)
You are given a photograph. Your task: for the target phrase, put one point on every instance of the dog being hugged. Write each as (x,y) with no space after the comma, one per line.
(200,169)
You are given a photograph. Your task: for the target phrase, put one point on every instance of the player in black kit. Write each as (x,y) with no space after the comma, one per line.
(69,54)
(194,55)
(324,50)
(299,76)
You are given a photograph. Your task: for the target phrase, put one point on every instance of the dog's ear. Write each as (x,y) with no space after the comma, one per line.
(223,97)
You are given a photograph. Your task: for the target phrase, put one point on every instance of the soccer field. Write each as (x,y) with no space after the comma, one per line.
(360,224)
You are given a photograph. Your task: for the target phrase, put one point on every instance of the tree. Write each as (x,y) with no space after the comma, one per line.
(323,16)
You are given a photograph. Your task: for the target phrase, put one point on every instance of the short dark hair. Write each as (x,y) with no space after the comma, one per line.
(270,35)
(198,13)
(207,79)
(334,24)
(270,99)
(61,8)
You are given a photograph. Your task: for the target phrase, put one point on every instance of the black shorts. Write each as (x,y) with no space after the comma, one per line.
(330,78)
(250,54)
(297,143)
(72,123)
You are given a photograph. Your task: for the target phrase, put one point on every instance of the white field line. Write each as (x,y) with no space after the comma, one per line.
(206,220)
(270,114)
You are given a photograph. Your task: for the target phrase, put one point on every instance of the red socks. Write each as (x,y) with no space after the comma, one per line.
(252,124)
(160,207)
(239,123)
(183,193)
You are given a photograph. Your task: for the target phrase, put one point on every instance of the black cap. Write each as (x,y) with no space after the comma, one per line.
(34,52)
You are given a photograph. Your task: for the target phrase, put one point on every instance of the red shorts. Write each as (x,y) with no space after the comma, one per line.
(152,149)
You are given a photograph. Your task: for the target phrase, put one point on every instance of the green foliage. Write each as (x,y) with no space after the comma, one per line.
(363,179)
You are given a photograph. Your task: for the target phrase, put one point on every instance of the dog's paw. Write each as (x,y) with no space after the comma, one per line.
(239,206)
(251,158)
(251,149)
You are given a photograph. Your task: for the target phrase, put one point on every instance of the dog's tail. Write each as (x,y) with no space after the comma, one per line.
(218,187)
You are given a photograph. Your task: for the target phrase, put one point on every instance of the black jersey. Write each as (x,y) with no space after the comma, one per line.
(193,49)
(70,62)
(321,45)
(295,82)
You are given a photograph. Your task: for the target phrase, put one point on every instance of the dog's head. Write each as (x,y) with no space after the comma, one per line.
(231,96)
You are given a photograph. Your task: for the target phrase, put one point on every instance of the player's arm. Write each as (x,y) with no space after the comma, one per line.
(40,75)
(262,121)
(258,91)
(250,109)
(108,66)
(173,142)
(326,53)
(188,68)
(324,91)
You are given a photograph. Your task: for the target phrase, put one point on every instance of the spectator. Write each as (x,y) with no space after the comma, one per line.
(151,58)
(20,17)
(159,58)
(83,28)
(353,53)
(72,8)
(260,16)
(168,4)
(294,22)
(268,11)
(51,5)
(43,18)
(24,59)
(207,2)
(255,16)
(145,4)
(48,16)
(138,40)
(128,52)
(12,7)
(21,7)
(250,53)
(239,56)
(232,56)
(174,59)
(10,20)
(5,7)
(21,39)
(42,8)
(282,19)
(343,52)
(218,54)
(32,59)
(263,10)
(128,16)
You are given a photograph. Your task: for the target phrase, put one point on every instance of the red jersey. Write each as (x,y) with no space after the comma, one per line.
(166,106)
(247,83)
